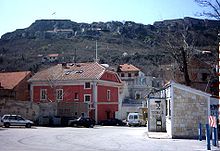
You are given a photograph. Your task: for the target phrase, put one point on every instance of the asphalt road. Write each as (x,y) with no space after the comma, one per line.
(89,139)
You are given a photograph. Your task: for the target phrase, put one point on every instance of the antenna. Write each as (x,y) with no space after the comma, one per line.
(63,56)
(96,50)
(75,56)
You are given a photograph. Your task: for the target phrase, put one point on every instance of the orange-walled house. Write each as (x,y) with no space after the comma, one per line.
(14,85)
(91,83)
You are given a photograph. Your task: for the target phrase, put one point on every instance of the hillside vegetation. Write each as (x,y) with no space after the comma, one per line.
(118,42)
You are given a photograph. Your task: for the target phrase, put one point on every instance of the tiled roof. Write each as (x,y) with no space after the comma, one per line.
(9,80)
(79,71)
(128,67)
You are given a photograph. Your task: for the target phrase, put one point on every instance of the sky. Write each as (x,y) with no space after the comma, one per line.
(19,14)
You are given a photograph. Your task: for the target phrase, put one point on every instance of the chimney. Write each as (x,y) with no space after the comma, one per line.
(64,65)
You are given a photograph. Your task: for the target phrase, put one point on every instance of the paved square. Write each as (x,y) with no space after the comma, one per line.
(90,139)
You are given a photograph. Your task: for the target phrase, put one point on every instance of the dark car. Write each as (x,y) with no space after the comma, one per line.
(82,121)
(112,122)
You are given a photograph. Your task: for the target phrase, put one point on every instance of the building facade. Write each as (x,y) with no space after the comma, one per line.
(180,109)
(136,87)
(203,75)
(14,85)
(85,83)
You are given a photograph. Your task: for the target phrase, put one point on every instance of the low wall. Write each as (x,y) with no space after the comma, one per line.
(26,109)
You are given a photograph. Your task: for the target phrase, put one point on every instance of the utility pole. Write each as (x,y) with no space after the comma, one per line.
(96,52)
(218,66)
(75,56)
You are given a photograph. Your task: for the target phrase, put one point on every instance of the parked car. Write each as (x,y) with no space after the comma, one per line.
(1,124)
(65,120)
(82,121)
(15,120)
(135,119)
(112,122)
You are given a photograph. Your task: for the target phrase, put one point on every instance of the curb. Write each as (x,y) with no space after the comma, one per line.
(156,136)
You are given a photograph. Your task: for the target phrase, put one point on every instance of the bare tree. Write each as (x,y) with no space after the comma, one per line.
(211,8)
(180,46)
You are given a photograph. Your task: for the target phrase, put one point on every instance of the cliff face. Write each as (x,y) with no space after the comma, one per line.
(56,29)
(118,42)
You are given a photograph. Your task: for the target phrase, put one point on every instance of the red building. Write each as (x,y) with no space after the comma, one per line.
(82,82)
(14,85)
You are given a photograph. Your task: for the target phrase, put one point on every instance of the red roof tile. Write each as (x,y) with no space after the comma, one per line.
(128,67)
(9,80)
(79,71)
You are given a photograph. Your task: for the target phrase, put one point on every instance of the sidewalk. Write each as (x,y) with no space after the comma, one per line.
(158,135)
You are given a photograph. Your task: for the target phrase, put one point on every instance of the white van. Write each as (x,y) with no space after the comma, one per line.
(135,119)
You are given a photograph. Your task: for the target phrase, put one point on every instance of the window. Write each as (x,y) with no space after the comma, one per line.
(43,94)
(204,76)
(87,85)
(59,93)
(131,117)
(87,98)
(76,97)
(20,118)
(122,74)
(12,117)
(83,114)
(108,95)
(137,95)
(129,74)
(168,107)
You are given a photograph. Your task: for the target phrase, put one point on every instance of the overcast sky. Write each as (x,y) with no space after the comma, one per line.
(18,14)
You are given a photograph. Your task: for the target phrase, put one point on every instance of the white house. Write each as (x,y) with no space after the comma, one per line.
(183,109)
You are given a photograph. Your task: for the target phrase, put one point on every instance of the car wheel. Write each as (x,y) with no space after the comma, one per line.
(7,125)
(92,126)
(75,125)
(28,125)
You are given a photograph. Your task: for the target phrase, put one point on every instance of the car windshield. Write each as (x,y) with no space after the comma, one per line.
(135,117)
(5,117)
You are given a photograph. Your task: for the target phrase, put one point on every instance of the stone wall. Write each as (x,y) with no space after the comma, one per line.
(26,109)
(129,109)
(42,113)
(73,109)
(189,109)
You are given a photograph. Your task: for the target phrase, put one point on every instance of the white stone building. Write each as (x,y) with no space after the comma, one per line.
(136,87)
(183,109)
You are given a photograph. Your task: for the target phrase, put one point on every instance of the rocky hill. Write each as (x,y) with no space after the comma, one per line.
(118,42)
